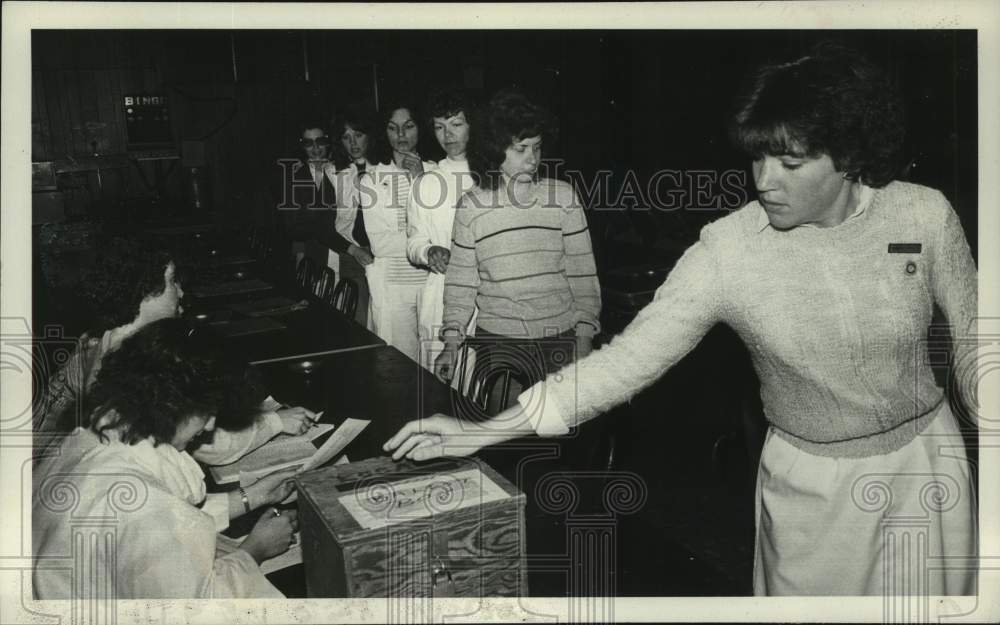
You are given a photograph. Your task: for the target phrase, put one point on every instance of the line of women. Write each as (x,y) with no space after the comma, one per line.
(538,281)
(830,278)
(145,397)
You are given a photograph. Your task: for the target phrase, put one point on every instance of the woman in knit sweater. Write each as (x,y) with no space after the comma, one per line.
(521,252)
(830,278)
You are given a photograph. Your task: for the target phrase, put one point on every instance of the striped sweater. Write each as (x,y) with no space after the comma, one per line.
(529,268)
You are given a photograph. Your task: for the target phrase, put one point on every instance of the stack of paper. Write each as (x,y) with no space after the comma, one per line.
(285,452)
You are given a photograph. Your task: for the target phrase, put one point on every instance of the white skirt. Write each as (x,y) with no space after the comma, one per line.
(901,523)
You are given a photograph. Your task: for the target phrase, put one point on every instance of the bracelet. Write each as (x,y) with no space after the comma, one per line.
(245,499)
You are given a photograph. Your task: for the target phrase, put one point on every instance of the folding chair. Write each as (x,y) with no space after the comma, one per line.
(345,297)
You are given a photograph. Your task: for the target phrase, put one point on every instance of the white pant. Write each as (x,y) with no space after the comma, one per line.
(394,316)
(880,525)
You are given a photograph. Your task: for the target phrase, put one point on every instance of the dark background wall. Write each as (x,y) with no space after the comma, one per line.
(627,101)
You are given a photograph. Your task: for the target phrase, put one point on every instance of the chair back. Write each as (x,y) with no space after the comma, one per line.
(345,297)
(494,381)
(305,275)
(326,285)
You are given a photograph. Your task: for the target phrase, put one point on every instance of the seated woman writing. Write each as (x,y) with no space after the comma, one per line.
(129,287)
(129,472)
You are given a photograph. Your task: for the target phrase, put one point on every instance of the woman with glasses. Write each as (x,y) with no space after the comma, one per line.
(309,204)
(396,285)
(130,469)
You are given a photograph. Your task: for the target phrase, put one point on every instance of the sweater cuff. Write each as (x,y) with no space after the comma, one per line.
(217,506)
(272,422)
(542,411)
(421,256)
(586,328)
(451,331)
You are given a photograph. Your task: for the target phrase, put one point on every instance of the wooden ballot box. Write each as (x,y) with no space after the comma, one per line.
(378,528)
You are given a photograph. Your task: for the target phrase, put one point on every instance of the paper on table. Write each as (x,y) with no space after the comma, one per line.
(281,452)
(346,433)
(273,456)
(343,459)
(270,404)
(311,434)
(420,497)
(297,457)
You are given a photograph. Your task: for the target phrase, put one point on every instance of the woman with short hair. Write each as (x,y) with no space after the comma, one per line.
(830,278)
(308,206)
(127,475)
(431,212)
(131,285)
(521,252)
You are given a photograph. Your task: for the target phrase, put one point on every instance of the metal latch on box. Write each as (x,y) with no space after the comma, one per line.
(441,581)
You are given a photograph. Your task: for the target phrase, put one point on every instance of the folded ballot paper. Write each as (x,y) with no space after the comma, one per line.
(286,452)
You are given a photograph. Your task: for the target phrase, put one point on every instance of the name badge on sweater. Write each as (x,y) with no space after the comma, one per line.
(905,248)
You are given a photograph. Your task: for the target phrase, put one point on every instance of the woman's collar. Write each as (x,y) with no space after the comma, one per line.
(176,470)
(865,195)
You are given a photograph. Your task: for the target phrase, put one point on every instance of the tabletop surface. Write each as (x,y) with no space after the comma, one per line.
(315,331)
(380,384)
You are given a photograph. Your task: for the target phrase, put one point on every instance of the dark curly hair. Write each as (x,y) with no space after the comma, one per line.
(448,102)
(379,150)
(127,270)
(832,101)
(509,117)
(161,376)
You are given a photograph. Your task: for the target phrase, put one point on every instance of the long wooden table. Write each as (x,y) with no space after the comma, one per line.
(314,332)
(384,386)
(380,384)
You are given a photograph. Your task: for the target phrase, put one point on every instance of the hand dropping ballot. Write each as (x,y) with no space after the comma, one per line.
(285,452)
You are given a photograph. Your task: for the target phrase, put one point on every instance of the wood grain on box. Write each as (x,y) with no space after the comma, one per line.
(471,551)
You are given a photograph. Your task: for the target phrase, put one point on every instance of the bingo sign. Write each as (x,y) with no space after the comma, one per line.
(147,120)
